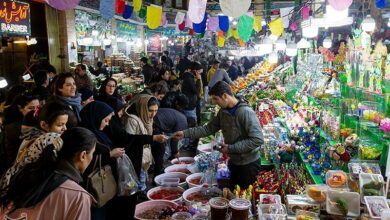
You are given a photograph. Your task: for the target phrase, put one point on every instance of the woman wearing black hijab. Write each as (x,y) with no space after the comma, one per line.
(113,142)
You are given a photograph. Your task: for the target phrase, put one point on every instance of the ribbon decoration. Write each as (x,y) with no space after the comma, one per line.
(63,4)
(213,24)
(197,10)
(200,27)
(245,27)
(234,8)
(137,4)
(340,5)
(120,6)
(221,42)
(223,23)
(180,16)
(257,23)
(153,16)
(276,27)
(128,12)
(107,9)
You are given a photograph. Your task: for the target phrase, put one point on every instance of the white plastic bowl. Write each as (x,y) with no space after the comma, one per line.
(189,192)
(192,176)
(205,148)
(176,167)
(153,204)
(158,188)
(158,179)
(190,159)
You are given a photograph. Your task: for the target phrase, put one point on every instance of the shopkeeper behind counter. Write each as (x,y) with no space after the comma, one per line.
(242,134)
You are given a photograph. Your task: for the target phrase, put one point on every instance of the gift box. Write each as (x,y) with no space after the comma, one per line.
(301,202)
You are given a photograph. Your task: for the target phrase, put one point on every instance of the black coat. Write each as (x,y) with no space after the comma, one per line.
(148,72)
(191,88)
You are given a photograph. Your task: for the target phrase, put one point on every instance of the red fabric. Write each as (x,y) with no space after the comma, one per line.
(191,32)
(120,6)
(182,26)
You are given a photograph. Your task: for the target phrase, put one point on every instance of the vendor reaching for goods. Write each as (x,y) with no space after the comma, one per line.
(242,134)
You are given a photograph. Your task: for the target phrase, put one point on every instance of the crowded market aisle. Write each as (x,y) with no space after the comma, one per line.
(168,110)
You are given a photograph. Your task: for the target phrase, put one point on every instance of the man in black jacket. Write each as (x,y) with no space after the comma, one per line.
(147,70)
(41,79)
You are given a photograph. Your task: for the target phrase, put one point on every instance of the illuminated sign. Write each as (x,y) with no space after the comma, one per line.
(15,18)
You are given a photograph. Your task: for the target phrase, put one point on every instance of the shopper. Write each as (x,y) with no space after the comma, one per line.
(81,77)
(169,61)
(220,75)
(184,65)
(241,131)
(53,190)
(38,131)
(109,88)
(157,90)
(147,71)
(41,79)
(166,121)
(13,92)
(65,93)
(233,70)
(101,70)
(86,96)
(13,116)
(118,106)
(212,70)
(191,88)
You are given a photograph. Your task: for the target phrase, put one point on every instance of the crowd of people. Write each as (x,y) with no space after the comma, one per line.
(51,136)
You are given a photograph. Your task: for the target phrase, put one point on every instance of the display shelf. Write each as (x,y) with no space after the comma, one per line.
(317,179)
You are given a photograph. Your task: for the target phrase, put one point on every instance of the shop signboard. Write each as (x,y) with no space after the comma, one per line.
(167,31)
(154,45)
(15,18)
(126,29)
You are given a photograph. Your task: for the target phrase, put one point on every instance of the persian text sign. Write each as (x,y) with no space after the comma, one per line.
(126,29)
(15,18)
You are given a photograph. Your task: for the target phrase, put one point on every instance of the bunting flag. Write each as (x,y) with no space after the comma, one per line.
(164,20)
(197,10)
(191,32)
(284,15)
(107,9)
(381,4)
(276,27)
(180,16)
(229,33)
(182,26)
(200,27)
(257,23)
(340,5)
(223,23)
(305,12)
(235,34)
(221,42)
(220,33)
(137,4)
(128,12)
(213,24)
(241,42)
(245,27)
(153,16)
(142,12)
(63,4)
(234,8)
(188,22)
(120,6)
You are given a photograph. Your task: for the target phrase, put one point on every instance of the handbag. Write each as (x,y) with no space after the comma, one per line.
(101,183)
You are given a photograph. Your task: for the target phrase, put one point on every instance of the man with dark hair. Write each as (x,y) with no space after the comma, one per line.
(41,79)
(169,61)
(241,131)
(81,78)
(220,75)
(147,70)
(100,70)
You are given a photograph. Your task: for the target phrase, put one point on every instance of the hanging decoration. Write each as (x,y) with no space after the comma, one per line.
(196,10)
(294,26)
(305,12)
(381,4)
(142,12)
(234,8)
(137,4)
(153,16)
(182,26)
(241,42)
(257,23)
(276,27)
(164,20)
(212,24)
(229,33)
(235,34)
(107,9)
(120,6)
(180,16)
(284,14)
(245,27)
(128,12)
(223,23)
(340,5)
(220,33)
(63,4)
(221,42)
(188,22)
(201,27)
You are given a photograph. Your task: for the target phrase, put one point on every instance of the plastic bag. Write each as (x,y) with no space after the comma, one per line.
(127,177)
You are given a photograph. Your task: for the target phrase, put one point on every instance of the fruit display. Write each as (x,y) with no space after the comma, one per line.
(317,193)
(167,194)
